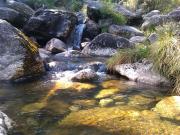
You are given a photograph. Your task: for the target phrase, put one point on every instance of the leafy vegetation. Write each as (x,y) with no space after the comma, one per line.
(108,11)
(149,5)
(73,5)
(129,55)
(165,55)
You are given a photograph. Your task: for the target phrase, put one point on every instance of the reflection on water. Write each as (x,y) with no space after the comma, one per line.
(66,108)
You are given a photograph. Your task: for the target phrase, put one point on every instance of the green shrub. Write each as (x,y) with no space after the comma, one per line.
(129,55)
(48,3)
(165,54)
(108,11)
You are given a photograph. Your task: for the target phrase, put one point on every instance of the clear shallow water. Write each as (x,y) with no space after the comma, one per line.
(53,107)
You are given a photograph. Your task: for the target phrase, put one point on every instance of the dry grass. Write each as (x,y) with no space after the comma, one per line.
(165,54)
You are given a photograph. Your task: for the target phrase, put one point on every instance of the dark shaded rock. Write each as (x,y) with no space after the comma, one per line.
(175,15)
(56,46)
(12,16)
(22,8)
(124,31)
(92,30)
(132,18)
(51,23)
(106,45)
(18,54)
(93,10)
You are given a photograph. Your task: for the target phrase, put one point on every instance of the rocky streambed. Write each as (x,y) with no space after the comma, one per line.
(54,79)
(56,104)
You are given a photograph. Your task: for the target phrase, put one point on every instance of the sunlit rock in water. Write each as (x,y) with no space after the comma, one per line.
(34,107)
(106,102)
(58,86)
(57,107)
(117,121)
(140,101)
(169,107)
(85,103)
(106,93)
(115,84)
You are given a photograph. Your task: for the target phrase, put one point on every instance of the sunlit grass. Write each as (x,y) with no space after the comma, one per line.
(165,54)
(129,55)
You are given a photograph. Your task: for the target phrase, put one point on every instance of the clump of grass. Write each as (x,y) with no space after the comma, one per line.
(162,5)
(129,55)
(165,54)
(108,11)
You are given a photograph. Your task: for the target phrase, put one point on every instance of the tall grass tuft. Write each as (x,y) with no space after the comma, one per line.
(165,54)
(129,55)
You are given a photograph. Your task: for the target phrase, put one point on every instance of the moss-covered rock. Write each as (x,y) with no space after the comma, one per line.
(18,54)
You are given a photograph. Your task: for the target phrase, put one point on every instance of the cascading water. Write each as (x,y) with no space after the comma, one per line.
(76,37)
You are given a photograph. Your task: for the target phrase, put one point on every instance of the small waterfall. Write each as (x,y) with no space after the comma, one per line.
(76,37)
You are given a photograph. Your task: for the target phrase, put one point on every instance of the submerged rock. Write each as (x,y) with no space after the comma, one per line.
(106,45)
(56,46)
(125,31)
(6,124)
(18,54)
(106,102)
(115,121)
(169,107)
(141,72)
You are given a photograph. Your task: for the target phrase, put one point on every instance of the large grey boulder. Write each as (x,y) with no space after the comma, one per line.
(150,14)
(51,23)
(12,16)
(141,72)
(22,8)
(18,54)
(94,12)
(125,31)
(106,44)
(155,20)
(6,124)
